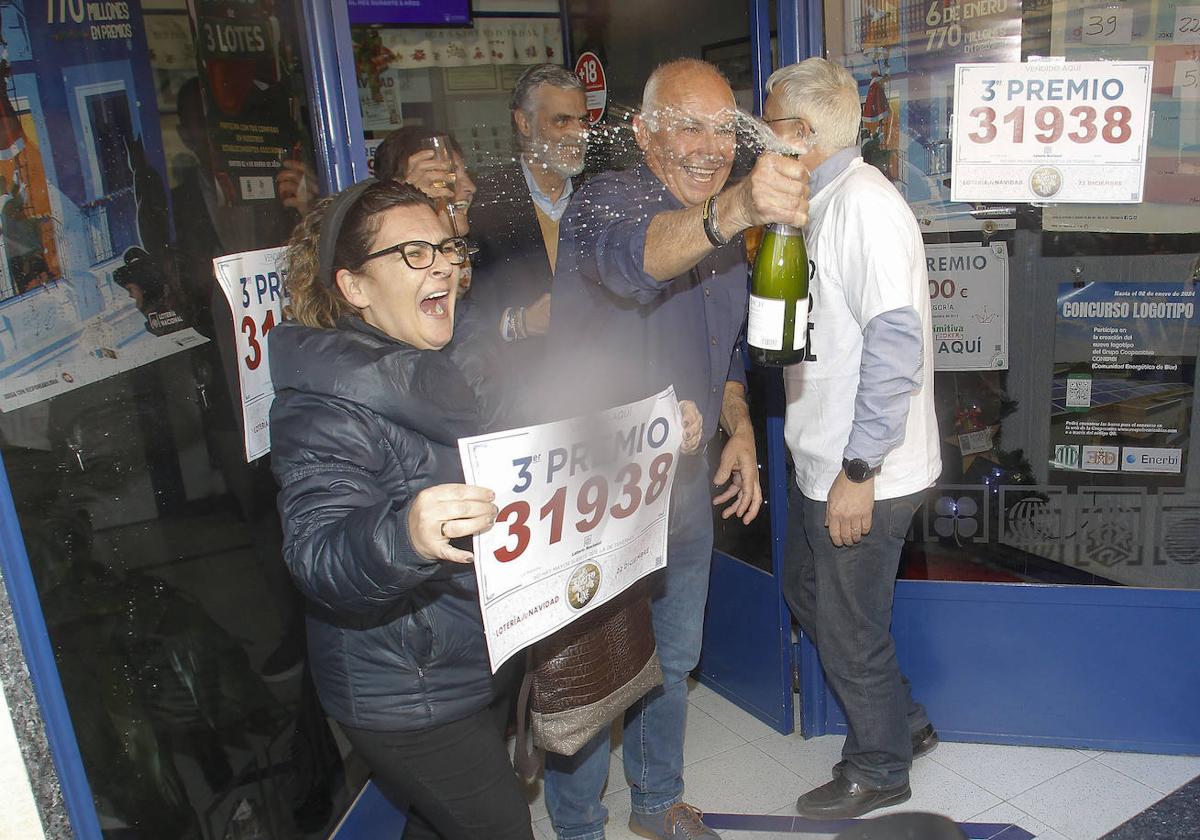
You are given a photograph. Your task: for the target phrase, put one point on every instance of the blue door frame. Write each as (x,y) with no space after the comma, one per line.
(748,655)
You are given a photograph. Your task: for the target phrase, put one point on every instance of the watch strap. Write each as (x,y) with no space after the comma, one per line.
(858,470)
(711,230)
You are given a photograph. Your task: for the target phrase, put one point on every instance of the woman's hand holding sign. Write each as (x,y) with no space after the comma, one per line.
(441,513)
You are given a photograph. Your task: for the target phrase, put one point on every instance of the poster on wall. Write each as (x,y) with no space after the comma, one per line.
(968,292)
(86,289)
(255,285)
(247,92)
(1124,378)
(1164,32)
(1046,131)
(903,53)
(381,102)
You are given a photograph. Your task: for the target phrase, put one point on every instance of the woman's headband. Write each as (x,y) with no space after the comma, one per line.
(331,227)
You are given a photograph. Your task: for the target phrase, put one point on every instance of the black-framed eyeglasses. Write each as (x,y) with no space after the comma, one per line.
(418,253)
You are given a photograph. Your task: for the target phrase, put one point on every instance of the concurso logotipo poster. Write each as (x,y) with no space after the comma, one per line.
(1124,380)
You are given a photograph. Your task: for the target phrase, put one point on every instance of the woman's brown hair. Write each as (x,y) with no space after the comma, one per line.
(316,299)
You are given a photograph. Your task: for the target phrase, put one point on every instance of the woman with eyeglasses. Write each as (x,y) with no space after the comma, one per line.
(364,430)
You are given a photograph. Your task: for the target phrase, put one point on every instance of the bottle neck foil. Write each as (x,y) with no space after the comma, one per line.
(784,230)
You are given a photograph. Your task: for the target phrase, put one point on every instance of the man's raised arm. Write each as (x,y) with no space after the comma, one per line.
(776,190)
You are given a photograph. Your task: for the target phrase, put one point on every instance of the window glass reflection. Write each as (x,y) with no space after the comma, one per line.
(1067,458)
(135,145)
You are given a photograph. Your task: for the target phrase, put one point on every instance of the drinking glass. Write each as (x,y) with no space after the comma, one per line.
(440,146)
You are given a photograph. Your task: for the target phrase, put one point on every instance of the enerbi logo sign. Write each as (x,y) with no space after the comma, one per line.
(1145,459)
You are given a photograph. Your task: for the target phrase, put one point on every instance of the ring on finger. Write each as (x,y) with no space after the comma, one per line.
(443,530)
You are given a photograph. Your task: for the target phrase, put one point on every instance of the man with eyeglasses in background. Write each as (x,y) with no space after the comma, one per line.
(861,428)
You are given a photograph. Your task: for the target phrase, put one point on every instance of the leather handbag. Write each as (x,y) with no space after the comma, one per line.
(579,680)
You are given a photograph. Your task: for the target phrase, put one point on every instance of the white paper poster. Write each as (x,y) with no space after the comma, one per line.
(382,104)
(254,283)
(968,292)
(583,515)
(1055,132)
(902,53)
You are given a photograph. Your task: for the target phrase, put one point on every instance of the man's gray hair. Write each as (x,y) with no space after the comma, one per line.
(538,75)
(823,94)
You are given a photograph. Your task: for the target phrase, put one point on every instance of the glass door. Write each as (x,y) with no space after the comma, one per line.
(1057,555)
(137,142)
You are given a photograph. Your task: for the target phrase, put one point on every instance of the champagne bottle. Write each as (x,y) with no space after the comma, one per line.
(778,322)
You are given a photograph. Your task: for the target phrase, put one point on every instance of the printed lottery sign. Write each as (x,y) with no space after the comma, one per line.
(1051,131)
(968,294)
(254,285)
(583,515)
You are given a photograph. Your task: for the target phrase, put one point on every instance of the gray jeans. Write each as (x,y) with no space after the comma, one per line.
(842,598)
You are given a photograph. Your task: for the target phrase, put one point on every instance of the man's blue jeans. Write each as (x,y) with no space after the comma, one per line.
(653,743)
(842,597)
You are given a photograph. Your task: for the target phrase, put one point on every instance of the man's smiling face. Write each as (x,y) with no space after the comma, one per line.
(689,135)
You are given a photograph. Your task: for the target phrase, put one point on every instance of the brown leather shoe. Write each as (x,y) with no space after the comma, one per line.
(680,822)
(843,799)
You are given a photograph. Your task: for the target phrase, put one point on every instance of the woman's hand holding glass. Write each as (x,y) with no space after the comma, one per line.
(432,174)
(443,512)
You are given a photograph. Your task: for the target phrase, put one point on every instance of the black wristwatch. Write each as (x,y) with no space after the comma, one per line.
(858,470)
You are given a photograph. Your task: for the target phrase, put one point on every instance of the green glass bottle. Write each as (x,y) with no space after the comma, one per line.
(778,322)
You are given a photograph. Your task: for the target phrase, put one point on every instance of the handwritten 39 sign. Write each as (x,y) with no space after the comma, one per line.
(1051,131)
(583,515)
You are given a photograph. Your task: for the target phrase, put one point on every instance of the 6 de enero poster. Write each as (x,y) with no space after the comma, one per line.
(903,53)
(1124,379)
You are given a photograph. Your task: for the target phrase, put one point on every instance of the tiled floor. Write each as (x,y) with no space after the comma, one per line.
(736,764)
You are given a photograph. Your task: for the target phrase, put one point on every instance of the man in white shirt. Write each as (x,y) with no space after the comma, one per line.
(861,428)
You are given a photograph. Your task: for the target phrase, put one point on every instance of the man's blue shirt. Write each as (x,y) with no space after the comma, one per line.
(616,333)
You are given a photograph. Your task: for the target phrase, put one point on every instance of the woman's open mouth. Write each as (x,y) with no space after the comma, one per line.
(434,304)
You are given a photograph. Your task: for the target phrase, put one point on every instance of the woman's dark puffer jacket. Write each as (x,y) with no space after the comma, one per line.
(360,424)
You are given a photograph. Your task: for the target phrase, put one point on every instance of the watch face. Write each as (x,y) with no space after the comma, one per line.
(857,470)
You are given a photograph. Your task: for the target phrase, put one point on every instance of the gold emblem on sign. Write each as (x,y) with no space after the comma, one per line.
(583,585)
(1045,181)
